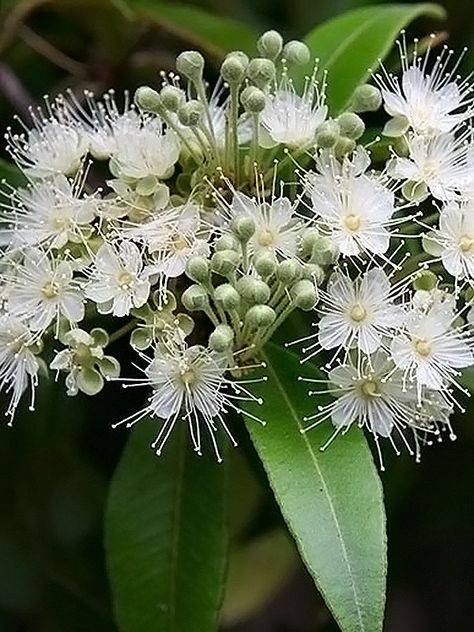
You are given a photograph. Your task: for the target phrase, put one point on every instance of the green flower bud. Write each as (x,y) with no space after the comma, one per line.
(265,264)
(296,53)
(191,113)
(190,64)
(270,44)
(224,262)
(227,296)
(313,272)
(241,56)
(304,295)
(221,338)
(327,135)
(366,98)
(148,99)
(253,99)
(426,280)
(226,242)
(288,271)
(244,228)
(197,269)
(351,125)
(172,98)
(325,252)
(253,290)
(195,298)
(415,191)
(469,295)
(344,146)
(233,70)
(261,71)
(309,239)
(260,316)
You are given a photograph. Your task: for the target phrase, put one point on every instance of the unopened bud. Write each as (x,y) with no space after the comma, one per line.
(191,113)
(195,298)
(344,146)
(227,296)
(426,280)
(224,262)
(244,228)
(190,64)
(197,269)
(296,53)
(366,98)
(304,295)
(270,44)
(309,239)
(226,242)
(325,251)
(253,290)
(327,135)
(172,97)
(221,338)
(148,99)
(261,72)
(241,56)
(265,264)
(253,99)
(260,316)
(233,70)
(288,271)
(313,272)
(351,125)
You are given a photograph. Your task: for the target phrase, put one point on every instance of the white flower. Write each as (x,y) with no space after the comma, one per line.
(353,208)
(43,291)
(435,164)
(118,279)
(430,100)
(19,365)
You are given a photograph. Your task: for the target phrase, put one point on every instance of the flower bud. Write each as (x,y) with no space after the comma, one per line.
(241,56)
(265,264)
(469,294)
(226,242)
(195,298)
(233,70)
(190,64)
(172,97)
(224,262)
(296,53)
(270,44)
(260,316)
(425,280)
(253,99)
(344,146)
(221,338)
(325,252)
(244,228)
(253,290)
(288,271)
(148,99)
(309,239)
(327,135)
(227,296)
(366,98)
(351,125)
(304,295)
(261,71)
(313,272)
(197,269)
(191,113)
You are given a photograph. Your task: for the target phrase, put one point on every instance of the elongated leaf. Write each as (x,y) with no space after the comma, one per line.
(166,536)
(213,34)
(350,44)
(332,501)
(11,174)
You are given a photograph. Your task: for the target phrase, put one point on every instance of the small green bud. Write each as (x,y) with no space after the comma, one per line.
(148,99)
(288,271)
(244,228)
(221,338)
(296,53)
(304,295)
(241,56)
(309,239)
(253,99)
(327,135)
(224,262)
(233,70)
(253,290)
(270,44)
(195,298)
(469,295)
(260,316)
(426,280)
(351,125)
(172,97)
(197,269)
(325,252)
(366,98)
(344,146)
(261,71)
(265,264)
(227,296)
(226,242)
(191,113)
(313,272)
(190,64)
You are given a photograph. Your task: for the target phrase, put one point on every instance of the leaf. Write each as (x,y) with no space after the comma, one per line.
(348,45)
(166,536)
(11,174)
(332,501)
(214,34)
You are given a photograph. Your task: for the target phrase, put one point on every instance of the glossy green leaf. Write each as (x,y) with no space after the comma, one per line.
(212,33)
(166,536)
(11,174)
(331,501)
(352,43)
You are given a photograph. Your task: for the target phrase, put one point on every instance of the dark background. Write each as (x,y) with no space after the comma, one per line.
(55,464)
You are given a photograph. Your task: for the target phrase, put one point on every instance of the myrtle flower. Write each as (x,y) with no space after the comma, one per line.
(43,291)
(118,279)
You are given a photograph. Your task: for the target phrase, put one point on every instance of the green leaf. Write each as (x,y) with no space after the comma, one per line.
(331,501)
(214,34)
(348,45)
(11,174)
(166,535)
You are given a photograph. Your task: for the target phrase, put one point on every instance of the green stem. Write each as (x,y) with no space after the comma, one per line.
(122,331)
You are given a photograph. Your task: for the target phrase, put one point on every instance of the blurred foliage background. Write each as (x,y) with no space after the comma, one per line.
(55,464)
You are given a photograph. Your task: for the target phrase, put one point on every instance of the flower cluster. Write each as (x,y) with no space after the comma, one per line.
(195,221)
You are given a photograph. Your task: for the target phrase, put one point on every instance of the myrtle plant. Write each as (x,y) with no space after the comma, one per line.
(212,225)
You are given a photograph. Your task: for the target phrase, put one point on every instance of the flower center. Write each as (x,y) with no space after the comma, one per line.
(430,170)
(351,222)
(178,242)
(358,313)
(125,280)
(465,243)
(188,375)
(423,347)
(370,388)
(265,238)
(50,289)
